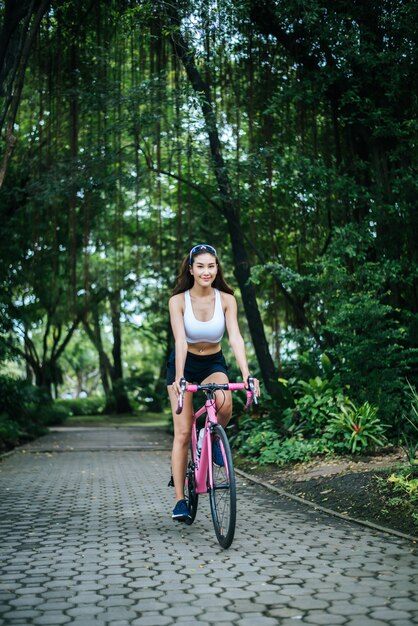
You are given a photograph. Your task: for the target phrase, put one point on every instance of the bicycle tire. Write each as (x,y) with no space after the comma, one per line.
(223,495)
(190,490)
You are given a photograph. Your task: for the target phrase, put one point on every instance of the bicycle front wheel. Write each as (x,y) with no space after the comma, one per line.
(222,493)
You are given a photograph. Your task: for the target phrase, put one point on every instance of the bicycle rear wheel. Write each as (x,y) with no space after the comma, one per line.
(190,490)
(223,496)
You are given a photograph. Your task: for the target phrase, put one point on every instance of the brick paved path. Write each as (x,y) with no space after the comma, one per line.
(87,539)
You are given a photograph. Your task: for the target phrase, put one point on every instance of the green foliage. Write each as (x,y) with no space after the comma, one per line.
(405,483)
(315,401)
(410,430)
(81,406)
(323,410)
(51,414)
(249,429)
(356,429)
(142,387)
(370,342)
(372,350)
(323,420)
(19,399)
(318,126)
(292,450)
(405,488)
(22,410)
(11,433)
(258,441)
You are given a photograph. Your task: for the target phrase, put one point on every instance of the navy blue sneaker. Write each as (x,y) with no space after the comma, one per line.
(181,511)
(217,453)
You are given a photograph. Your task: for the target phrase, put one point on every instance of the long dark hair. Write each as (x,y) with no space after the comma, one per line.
(185,280)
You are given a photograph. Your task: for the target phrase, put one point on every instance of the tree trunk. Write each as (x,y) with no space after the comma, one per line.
(121,397)
(104,364)
(229,210)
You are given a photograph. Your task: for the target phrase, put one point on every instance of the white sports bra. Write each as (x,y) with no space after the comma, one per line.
(211,331)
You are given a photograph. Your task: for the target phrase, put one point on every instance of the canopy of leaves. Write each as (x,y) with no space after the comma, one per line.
(111,179)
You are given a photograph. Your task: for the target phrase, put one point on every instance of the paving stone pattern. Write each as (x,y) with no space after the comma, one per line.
(87,539)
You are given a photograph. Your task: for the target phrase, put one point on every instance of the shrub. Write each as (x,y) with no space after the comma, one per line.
(323,420)
(21,406)
(348,294)
(16,397)
(292,450)
(52,415)
(356,429)
(410,431)
(405,484)
(82,406)
(259,441)
(315,402)
(11,432)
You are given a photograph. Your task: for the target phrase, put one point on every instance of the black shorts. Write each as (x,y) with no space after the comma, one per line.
(197,367)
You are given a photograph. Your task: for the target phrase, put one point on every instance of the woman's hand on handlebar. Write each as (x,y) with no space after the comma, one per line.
(179,386)
(253,384)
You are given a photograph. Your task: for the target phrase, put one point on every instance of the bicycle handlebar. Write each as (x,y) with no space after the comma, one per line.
(218,387)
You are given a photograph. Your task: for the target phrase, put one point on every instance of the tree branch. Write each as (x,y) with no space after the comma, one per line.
(67,339)
(14,102)
(188,183)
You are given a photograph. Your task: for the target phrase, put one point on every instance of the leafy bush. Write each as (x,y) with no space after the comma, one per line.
(82,406)
(52,415)
(410,431)
(372,346)
(22,407)
(405,487)
(18,397)
(323,420)
(259,441)
(315,402)
(356,429)
(405,484)
(369,338)
(292,450)
(10,432)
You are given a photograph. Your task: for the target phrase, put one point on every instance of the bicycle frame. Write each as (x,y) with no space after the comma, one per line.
(203,477)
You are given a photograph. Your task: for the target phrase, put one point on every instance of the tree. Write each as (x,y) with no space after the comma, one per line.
(227,204)
(290,124)
(20,26)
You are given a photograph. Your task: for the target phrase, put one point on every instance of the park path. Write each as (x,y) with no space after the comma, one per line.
(87,539)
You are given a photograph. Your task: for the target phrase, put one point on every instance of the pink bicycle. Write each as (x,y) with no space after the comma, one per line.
(210,468)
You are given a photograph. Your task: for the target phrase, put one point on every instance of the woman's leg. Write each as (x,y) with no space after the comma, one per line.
(223,398)
(182,432)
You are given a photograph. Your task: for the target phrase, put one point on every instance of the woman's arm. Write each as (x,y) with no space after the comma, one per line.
(176,305)
(235,338)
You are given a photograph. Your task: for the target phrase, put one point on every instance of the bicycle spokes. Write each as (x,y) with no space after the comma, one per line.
(222,488)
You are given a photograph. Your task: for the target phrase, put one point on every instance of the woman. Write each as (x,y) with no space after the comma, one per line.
(201,307)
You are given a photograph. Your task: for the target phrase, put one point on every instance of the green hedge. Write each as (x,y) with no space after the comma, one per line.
(82,406)
(25,412)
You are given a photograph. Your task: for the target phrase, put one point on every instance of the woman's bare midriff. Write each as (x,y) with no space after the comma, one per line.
(204,348)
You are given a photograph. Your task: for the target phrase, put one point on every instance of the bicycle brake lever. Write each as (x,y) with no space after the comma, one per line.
(180,399)
(250,381)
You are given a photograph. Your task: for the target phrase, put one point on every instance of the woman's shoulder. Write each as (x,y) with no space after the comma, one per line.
(227,298)
(177,299)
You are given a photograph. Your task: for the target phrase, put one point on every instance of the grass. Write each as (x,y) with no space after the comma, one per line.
(115,421)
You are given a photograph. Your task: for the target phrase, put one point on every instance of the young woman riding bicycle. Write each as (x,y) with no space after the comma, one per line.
(201,307)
